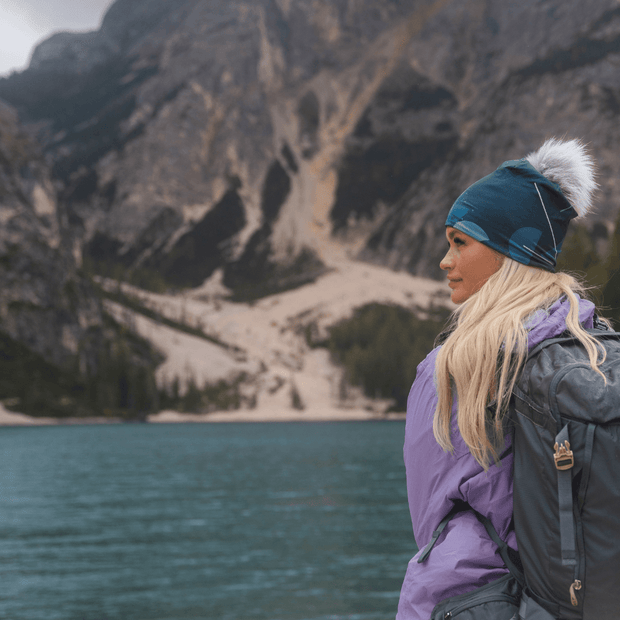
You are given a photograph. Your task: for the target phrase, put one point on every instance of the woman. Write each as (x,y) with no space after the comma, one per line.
(504,234)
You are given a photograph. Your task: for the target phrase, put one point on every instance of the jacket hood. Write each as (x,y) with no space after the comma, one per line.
(551,322)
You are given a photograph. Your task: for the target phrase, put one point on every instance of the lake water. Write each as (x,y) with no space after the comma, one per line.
(213,521)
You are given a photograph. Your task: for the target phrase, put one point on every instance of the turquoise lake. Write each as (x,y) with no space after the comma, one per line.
(290,521)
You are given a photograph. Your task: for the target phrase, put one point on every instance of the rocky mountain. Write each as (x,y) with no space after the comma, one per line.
(60,353)
(263,141)
(254,147)
(43,302)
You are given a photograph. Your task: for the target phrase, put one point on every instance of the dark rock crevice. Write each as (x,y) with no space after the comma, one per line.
(276,188)
(255,273)
(196,255)
(582,52)
(383,172)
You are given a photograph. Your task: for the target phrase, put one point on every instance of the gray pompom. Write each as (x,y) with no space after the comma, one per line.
(568,164)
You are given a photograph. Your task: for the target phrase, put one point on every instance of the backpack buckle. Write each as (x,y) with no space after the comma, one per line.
(563,456)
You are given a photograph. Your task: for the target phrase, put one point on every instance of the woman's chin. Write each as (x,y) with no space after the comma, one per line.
(458,297)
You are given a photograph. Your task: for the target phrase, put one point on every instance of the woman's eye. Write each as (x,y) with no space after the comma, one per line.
(458,241)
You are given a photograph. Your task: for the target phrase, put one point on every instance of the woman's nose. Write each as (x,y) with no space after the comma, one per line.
(446,262)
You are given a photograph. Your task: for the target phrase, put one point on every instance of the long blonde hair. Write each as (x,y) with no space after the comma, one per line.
(487,346)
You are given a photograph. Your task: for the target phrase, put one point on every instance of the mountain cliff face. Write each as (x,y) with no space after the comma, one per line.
(43,302)
(265,141)
(60,353)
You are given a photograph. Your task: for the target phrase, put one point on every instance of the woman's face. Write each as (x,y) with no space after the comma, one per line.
(469,264)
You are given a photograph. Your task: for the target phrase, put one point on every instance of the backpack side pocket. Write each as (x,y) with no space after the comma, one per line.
(498,600)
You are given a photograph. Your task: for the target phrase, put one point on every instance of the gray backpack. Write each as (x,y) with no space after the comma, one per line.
(567,480)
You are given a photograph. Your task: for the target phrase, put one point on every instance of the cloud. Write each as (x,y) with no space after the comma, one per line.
(25,23)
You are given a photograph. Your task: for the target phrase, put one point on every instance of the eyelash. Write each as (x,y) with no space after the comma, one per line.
(458,241)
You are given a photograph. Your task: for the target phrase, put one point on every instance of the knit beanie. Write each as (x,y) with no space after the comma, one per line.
(523,208)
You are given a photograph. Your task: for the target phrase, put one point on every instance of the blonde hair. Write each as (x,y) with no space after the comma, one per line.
(487,346)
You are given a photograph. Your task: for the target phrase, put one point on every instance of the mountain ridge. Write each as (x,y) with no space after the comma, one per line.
(316,127)
(259,146)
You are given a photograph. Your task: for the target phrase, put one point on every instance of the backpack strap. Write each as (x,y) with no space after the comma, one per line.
(564,462)
(598,332)
(563,458)
(503,548)
(516,572)
(437,533)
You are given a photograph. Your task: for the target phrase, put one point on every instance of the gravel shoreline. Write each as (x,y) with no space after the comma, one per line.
(9,418)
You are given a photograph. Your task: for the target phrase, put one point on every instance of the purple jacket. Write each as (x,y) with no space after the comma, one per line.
(464,557)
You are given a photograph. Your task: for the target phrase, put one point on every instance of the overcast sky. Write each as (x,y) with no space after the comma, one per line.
(24,23)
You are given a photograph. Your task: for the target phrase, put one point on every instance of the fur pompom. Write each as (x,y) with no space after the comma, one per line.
(568,164)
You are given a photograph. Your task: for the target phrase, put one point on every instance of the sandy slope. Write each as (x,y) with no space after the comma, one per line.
(186,356)
(269,341)
(265,343)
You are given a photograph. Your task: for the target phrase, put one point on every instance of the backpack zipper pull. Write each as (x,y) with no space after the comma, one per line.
(576,585)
